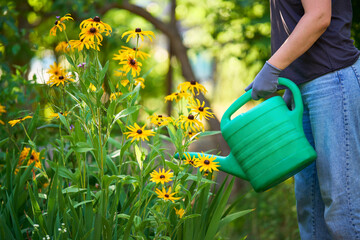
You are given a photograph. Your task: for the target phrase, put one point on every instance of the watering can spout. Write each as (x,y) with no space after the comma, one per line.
(227,164)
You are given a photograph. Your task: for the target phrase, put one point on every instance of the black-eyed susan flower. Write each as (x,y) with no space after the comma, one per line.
(130,51)
(34,157)
(137,133)
(137,81)
(192,86)
(160,120)
(80,44)
(161,176)
(56,115)
(190,160)
(191,134)
(2,109)
(115,95)
(206,163)
(190,123)
(177,96)
(92,87)
(166,195)
(202,111)
(59,24)
(91,34)
(96,21)
(55,70)
(131,64)
(63,46)
(19,120)
(180,212)
(61,79)
(138,33)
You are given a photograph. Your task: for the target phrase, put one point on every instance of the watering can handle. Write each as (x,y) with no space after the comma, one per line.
(243,99)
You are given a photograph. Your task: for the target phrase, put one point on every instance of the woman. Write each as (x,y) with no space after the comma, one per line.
(311,45)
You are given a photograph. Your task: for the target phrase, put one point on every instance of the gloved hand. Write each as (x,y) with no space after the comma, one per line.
(265,82)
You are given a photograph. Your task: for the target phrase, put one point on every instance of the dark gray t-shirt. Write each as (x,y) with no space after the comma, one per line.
(332,51)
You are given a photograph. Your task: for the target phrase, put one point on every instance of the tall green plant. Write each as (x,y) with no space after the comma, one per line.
(107,176)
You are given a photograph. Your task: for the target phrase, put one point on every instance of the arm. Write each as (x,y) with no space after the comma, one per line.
(311,26)
(316,18)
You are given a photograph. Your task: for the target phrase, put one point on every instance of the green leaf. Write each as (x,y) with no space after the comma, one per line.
(103,71)
(125,113)
(69,59)
(226,220)
(2,142)
(173,166)
(73,190)
(138,155)
(209,133)
(82,147)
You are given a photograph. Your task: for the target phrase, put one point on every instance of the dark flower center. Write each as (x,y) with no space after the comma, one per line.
(162,176)
(139,131)
(93,30)
(159,123)
(190,133)
(206,172)
(61,77)
(56,22)
(134,49)
(167,195)
(160,116)
(138,30)
(132,62)
(56,72)
(191,117)
(32,157)
(176,94)
(82,40)
(193,82)
(96,19)
(201,109)
(207,162)
(191,162)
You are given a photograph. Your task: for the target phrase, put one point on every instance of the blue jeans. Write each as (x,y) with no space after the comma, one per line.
(328,191)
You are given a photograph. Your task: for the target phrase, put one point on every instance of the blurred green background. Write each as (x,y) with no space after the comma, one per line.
(220,43)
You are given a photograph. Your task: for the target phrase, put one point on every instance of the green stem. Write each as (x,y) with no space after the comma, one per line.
(25,131)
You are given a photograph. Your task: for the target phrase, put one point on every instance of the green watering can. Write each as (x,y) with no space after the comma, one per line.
(267,143)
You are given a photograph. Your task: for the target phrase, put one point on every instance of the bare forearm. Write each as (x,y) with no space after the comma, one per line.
(310,27)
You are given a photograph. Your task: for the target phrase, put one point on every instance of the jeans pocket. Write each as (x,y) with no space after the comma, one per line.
(356,69)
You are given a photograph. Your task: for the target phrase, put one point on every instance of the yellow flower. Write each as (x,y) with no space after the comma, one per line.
(79,44)
(190,122)
(166,195)
(92,34)
(192,85)
(133,65)
(190,160)
(62,47)
(138,133)
(19,120)
(206,163)
(34,157)
(62,79)
(1,122)
(55,70)
(59,24)
(160,120)
(2,109)
(191,134)
(95,21)
(92,87)
(177,96)
(130,51)
(56,115)
(115,95)
(199,108)
(161,176)
(137,81)
(180,212)
(138,33)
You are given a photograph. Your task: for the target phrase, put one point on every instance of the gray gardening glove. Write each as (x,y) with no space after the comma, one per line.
(265,82)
